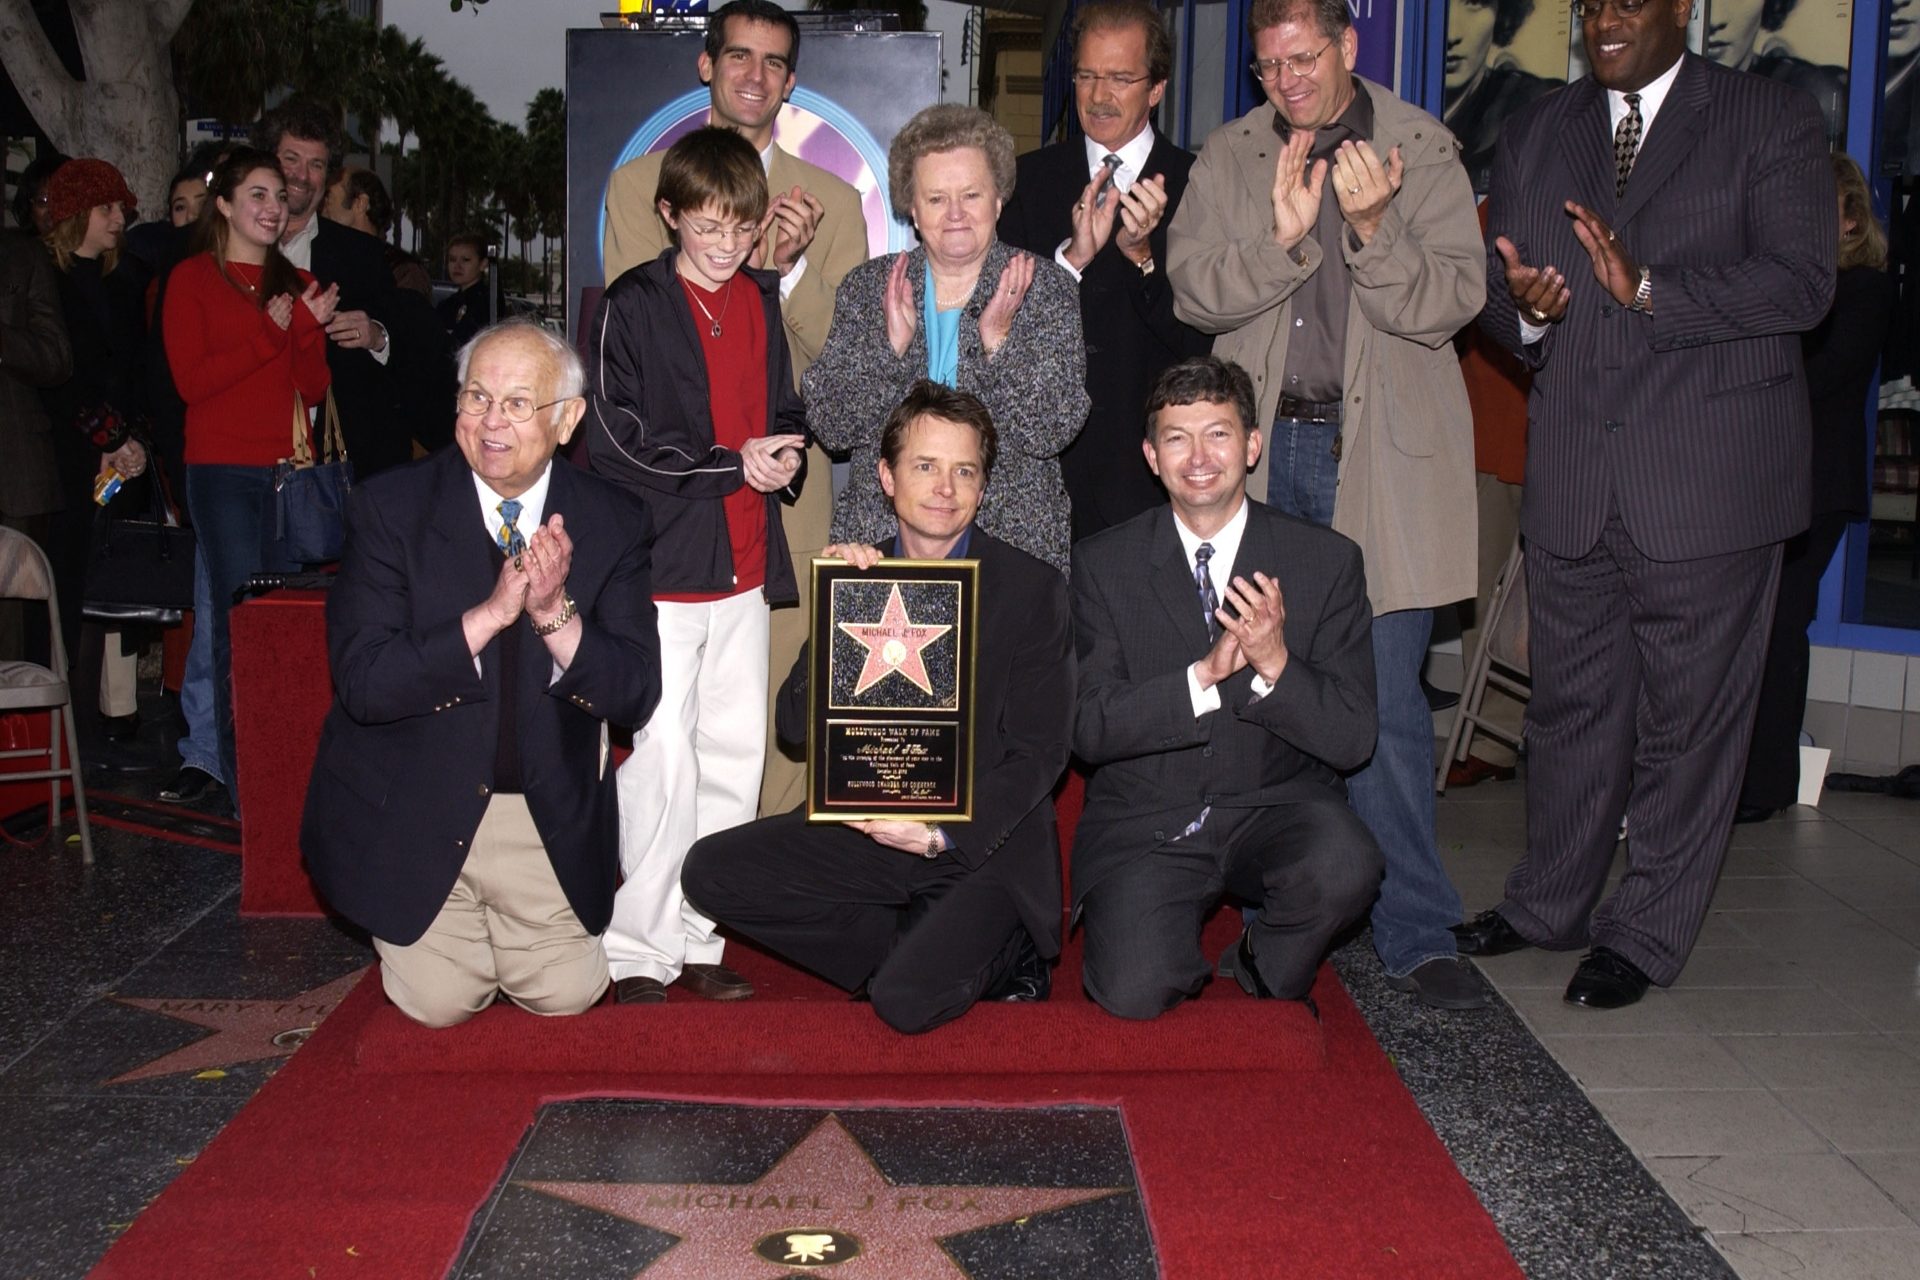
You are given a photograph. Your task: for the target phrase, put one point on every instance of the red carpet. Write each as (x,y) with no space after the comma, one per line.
(1265,1144)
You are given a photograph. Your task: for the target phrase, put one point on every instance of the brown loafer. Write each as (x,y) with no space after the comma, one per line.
(639,991)
(1465,773)
(714,982)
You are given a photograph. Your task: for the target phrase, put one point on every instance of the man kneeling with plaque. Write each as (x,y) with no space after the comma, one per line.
(1226,681)
(927,918)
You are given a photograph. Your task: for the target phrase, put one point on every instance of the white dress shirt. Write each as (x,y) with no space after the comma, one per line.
(1651,98)
(1133,161)
(533,509)
(1226,552)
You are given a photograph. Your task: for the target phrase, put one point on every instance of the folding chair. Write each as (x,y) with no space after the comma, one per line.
(27,686)
(1500,660)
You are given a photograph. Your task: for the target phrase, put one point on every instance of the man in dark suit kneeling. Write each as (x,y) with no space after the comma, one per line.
(1226,681)
(493,613)
(927,918)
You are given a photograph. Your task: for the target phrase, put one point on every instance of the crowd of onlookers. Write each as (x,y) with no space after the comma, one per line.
(155,367)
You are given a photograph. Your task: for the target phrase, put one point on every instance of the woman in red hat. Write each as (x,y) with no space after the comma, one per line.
(246,340)
(98,414)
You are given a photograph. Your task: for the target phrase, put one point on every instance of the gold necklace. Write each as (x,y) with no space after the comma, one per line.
(712,319)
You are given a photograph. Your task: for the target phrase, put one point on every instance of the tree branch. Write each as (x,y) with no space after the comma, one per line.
(37,72)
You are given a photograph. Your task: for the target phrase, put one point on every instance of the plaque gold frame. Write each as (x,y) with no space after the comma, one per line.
(821,712)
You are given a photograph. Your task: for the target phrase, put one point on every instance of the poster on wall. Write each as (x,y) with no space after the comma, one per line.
(1501,55)
(1803,43)
(1900,115)
(630,93)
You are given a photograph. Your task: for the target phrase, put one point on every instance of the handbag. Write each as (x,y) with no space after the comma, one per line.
(140,568)
(310,495)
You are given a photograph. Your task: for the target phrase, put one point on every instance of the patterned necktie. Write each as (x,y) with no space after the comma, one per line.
(1626,145)
(509,536)
(1110,167)
(1203,584)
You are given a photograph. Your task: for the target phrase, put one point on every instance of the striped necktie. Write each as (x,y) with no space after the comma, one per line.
(1203,584)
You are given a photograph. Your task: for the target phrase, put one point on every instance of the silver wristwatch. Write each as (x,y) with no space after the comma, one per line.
(1643,296)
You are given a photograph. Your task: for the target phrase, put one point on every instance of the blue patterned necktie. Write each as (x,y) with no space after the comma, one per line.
(1203,583)
(509,536)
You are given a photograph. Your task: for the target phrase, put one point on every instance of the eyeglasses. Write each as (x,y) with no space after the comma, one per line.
(1301,64)
(516,408)
(1588,10)
(715,231)
(1093,79)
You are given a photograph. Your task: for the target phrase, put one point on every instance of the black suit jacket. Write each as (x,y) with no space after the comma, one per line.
(1127,320)
(1137,628)
(405,766)
(1023,711)
(383,409)
(1693,420)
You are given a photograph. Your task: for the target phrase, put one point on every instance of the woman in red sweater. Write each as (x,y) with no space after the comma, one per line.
(245,335)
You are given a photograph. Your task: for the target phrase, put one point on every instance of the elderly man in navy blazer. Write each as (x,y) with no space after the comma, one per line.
(1226,682)
(493,614)
(1661,233)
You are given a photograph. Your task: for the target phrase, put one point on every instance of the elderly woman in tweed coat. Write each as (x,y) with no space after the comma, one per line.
(966,311)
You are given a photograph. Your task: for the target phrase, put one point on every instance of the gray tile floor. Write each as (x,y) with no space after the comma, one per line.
(1774,1090)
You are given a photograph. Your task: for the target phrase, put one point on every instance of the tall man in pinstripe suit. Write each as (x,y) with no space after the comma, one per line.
(1661,232)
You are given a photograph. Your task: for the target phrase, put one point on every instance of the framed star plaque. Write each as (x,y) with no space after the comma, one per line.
(890,725)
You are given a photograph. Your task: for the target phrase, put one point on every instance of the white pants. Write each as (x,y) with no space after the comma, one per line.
(695,769)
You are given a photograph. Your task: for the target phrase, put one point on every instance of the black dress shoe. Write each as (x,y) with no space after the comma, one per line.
(1242,970)
(1488,934)
(1606,980)
(1028,979)
(714,982)
(639,991)
(1753,813)
(121,728)
(190,784)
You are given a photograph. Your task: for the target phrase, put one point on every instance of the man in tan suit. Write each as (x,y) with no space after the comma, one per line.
(815,235)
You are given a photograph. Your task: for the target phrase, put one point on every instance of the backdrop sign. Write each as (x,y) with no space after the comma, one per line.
(1373,23)
(634,92)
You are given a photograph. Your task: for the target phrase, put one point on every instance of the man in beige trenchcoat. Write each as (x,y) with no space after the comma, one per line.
(1329,239)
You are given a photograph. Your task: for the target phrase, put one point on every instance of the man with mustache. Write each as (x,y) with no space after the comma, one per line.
(1100,205)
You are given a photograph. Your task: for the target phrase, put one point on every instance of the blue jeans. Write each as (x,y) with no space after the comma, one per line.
(233,519)
(200,749)
(1393,792)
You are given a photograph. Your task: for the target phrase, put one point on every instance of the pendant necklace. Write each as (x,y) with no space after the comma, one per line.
(711,318)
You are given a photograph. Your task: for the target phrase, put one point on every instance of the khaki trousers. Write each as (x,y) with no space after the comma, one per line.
(506,928)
